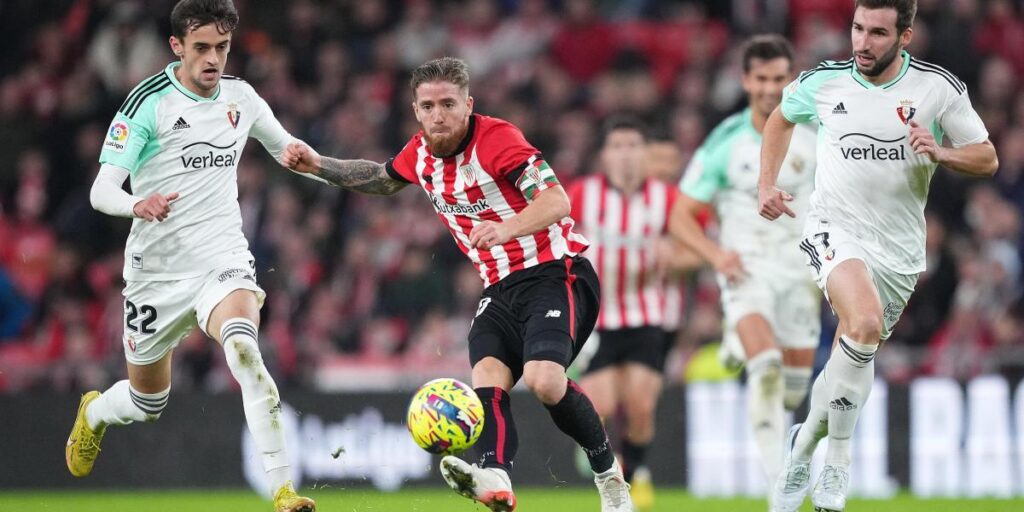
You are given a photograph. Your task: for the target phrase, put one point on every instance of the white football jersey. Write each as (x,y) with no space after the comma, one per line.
(172,140)
(869,180)
(724,172)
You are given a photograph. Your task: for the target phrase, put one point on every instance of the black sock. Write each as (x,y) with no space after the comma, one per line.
(575,415)
(632,457)
(498,442)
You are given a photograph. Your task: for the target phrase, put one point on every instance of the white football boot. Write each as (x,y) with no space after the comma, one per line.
(490,486)
(794,480)
(830,492)
(614,490)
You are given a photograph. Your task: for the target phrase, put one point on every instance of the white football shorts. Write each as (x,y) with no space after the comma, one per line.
(826,245)
(159,314)
(791,306)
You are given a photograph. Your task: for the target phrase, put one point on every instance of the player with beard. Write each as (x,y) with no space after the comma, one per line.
(510,216)
(882,116)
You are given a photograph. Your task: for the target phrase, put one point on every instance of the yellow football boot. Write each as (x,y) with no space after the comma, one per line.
(286,500)
(83,444)
(642,490)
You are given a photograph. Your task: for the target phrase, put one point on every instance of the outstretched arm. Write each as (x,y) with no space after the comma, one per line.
(358,175)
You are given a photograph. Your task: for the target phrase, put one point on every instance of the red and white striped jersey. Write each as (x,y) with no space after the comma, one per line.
(623,231)
(494,174)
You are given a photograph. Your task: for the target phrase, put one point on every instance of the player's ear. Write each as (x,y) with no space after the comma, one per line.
(176,46)
(416,111)
(906,37)
(469,106)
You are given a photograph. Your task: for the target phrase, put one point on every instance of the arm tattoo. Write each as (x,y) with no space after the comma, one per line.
(358,175)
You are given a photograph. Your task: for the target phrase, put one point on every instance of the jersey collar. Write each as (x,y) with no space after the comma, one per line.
(169,71)
(868,85)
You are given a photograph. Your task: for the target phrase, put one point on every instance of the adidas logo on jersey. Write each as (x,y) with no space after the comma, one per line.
(180,124)
(840,109)
(842,404)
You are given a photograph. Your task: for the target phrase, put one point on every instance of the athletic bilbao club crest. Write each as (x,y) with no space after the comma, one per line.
(906,111)
(468,174)
(131,343)
(233,114)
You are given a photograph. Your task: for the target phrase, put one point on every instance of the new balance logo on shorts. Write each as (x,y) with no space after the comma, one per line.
(553,313)
(840,109)
(180,124)
(842,404)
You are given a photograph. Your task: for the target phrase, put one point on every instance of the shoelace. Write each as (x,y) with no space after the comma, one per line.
(89,449)
(615,490)
(797,477)
(832,478)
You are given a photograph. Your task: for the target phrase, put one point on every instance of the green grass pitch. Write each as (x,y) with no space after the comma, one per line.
(435,500)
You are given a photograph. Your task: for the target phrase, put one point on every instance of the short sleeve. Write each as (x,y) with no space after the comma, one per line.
(126,140)
(268,130)
(798,103)
(961,123)
(704,176)
(506,151)
(508,155)
(402,167)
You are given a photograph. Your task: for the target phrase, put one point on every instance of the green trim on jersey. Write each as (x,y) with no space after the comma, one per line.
(799,104)
(169,70)
(711,161)
(141,144)
(868,85)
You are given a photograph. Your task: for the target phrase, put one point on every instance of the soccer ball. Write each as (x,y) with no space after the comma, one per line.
(445,417)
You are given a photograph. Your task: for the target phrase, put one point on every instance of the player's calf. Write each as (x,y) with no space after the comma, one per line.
(575,416)
(260,398)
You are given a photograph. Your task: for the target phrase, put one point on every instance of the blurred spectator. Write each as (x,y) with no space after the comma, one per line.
(126,49)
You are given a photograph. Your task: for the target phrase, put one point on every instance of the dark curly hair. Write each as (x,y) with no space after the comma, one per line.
(189,15)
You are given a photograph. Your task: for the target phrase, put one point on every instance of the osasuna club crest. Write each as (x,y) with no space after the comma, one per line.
(233,114)
(906,111)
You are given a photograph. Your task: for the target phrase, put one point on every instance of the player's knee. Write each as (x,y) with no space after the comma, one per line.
(640,415)
(546,381)
(865,328)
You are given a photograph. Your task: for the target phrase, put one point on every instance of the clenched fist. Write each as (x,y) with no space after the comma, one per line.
(299,157)
(155,207)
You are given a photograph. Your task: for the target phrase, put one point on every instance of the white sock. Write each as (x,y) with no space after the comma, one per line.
(764,408)
(796,381)
(260,398)
(815,426)
(121,405)
(851,370)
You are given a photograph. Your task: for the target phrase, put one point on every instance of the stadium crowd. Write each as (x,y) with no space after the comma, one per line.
(351,283)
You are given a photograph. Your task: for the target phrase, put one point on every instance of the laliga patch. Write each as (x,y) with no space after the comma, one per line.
(117,136)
